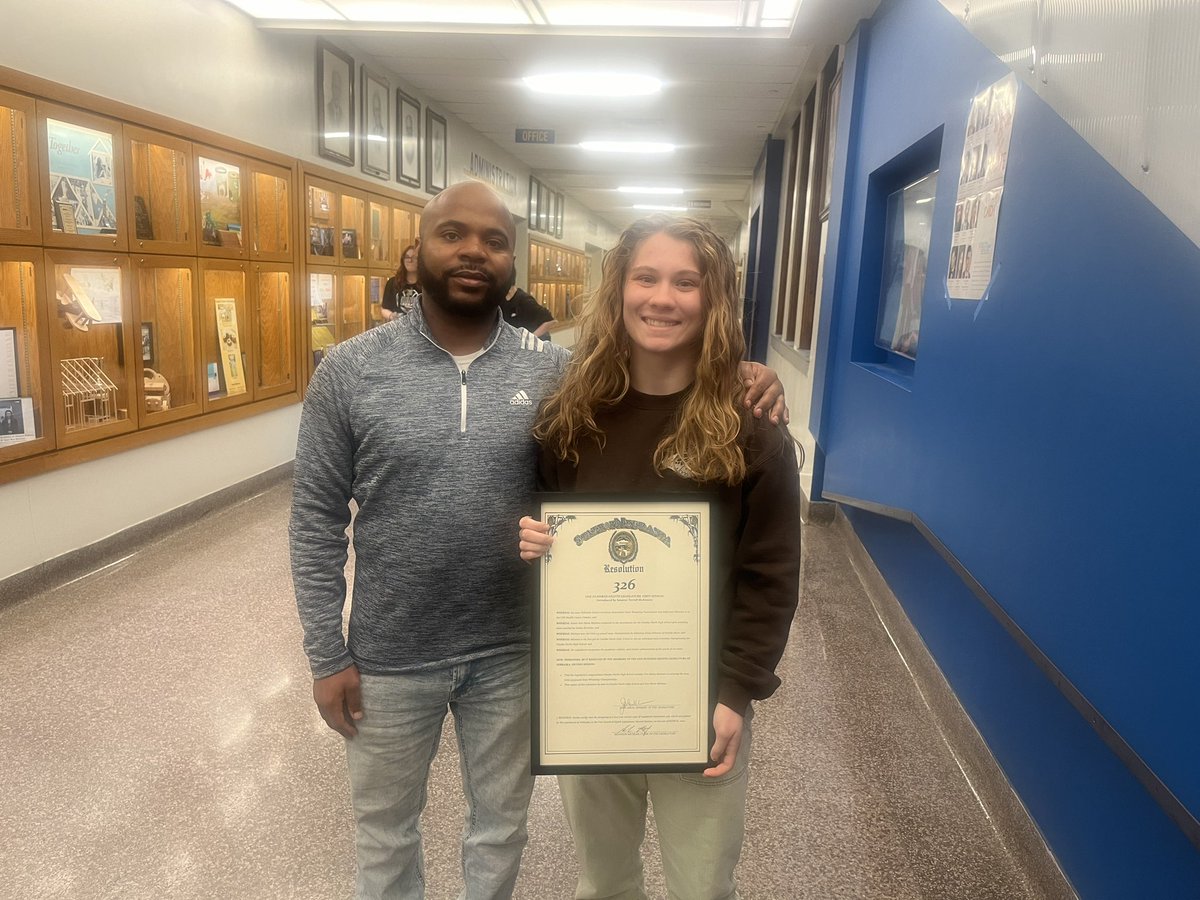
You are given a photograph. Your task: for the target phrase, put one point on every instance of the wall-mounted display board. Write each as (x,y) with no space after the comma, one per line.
(558,276)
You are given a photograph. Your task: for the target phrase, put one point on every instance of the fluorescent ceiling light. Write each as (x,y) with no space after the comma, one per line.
(628,146)
(628,189)
(632,15)
(660,208)
(593,84)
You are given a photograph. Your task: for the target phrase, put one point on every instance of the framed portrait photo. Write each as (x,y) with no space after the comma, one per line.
(408,140)
(335,104)
(436,149)
(534,184)
(376,125)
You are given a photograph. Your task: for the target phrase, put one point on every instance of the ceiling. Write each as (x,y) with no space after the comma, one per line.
(725,90)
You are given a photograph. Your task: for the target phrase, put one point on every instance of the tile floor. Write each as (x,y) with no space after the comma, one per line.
(160,742)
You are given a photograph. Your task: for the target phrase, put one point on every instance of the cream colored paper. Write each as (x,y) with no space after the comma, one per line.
(230,347)
(623,661)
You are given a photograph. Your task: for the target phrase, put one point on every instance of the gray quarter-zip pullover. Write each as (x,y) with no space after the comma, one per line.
(441,465)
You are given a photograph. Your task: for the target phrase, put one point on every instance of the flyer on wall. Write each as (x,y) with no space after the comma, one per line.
(980,189)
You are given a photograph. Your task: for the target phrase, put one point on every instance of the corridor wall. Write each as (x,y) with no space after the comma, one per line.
(1042,440)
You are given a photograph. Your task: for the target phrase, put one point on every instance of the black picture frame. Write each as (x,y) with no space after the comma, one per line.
(534,185)
(437,151)
(335,104)
(558,216)
(376,125)
(543,209)
(408,139)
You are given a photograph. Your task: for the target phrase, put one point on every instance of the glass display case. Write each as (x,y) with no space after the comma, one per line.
(20,198)
(82,180)
(271,212)
(225,335)
(379,220)
(406,225)
(169,338)
(353,221)
(321,223)
(92,361)
(220,203)
(352,306)
(159,214)
(557,278)
(26,423)
(322,313)
(275,372)
(375,285)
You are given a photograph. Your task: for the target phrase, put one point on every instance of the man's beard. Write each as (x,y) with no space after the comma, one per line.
(437,290)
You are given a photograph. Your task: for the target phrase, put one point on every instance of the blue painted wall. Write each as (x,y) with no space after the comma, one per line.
(1048,436)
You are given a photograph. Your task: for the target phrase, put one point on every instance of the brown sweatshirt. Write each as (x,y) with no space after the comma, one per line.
(757,540)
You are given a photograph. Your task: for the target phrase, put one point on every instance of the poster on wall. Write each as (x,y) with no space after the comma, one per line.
(230,346)
(980,189)
(83,195)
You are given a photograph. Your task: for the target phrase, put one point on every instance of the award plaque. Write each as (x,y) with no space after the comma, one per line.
(623,663)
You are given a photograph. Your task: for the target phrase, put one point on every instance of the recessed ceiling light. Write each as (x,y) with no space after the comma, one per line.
(628,146)
(660,208)
(633,189)
(593,84)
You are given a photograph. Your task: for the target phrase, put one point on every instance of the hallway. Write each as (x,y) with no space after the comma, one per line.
(162,743)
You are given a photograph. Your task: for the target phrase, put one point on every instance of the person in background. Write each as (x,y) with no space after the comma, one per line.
(404,287)
(425,424)
(521,310)
(650,403)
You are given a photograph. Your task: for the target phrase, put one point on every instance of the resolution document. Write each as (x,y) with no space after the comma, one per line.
(622,653)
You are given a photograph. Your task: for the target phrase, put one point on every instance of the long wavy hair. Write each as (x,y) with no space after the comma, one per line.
(703,443)
(401,273)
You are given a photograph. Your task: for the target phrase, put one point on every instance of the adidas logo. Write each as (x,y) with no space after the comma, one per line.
(520,398)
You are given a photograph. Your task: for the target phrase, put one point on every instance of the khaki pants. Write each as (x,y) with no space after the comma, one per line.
(700,825)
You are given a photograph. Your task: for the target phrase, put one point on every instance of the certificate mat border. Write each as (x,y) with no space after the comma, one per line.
(537,766)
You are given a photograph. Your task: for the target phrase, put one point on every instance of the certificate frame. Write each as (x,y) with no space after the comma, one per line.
(650,698)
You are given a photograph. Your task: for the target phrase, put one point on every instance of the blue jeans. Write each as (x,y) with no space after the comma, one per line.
(389,763)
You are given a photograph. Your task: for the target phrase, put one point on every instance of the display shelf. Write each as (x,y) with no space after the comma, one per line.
(226,336)
(93,362)
(379,222)
(270,212)
(352,236)
(161,192)
(26,420)
(322,293)
(557,279)
(20,199)
(271,294)
(165,293)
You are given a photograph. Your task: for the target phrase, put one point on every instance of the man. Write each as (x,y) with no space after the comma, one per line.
(424,422)
(520,310)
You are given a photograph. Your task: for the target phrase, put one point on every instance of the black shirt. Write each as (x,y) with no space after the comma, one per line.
(522,311)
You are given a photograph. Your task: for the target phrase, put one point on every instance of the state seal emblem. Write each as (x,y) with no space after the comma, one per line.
(623,546)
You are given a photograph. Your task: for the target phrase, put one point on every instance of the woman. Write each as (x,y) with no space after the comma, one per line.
(650,402)
(403,289)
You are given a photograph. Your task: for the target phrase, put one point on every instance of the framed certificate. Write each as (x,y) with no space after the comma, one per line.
(623,672)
